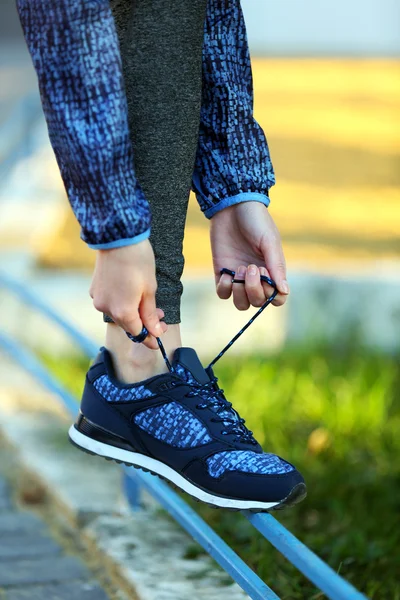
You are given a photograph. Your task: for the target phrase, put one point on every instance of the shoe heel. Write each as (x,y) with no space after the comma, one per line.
(99,434)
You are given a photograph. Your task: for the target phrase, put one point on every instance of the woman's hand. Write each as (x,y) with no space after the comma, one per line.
(124,287)
(245,239)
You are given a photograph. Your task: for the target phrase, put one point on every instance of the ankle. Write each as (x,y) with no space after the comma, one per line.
(135,362)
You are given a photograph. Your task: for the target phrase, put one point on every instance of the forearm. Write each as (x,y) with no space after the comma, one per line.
(75,51)
(233,162)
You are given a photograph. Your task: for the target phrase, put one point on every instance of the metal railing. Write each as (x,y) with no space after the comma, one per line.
(317,571)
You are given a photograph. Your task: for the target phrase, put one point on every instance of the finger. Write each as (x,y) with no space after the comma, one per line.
(240,299)
(279,299)
(161,313)
(151,342)
(275,262)
(129,322)
(224,286)
(268,289)
(276,265)
(149,315)
(134,326)
(254,289)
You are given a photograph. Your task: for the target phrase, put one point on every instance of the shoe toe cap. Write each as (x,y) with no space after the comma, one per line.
(274,487)
(262,488)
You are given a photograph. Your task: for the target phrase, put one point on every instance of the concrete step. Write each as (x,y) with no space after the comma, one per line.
(33,566)
(145,550)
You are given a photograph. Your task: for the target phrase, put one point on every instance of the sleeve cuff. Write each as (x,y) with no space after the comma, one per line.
(242,197)
(123,242)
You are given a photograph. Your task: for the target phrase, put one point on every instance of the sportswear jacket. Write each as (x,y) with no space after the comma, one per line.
(75,51)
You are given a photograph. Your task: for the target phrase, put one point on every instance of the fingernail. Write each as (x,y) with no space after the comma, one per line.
(157,326)
(285,287)
(241,271)
(252,270)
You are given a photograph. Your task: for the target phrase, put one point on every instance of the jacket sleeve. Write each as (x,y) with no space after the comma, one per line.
(75,51)
(233,162)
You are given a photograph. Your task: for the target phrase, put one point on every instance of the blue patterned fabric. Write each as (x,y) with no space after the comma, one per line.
(246,461)
(174,425)
(112,393)
(233,161)
(184,374)
(75,51)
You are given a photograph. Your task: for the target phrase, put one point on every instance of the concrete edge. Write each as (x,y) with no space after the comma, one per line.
(145,551)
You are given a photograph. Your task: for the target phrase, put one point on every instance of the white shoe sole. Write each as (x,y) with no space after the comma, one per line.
(136,459)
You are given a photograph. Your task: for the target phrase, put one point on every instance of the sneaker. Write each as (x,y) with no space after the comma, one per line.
(180,426)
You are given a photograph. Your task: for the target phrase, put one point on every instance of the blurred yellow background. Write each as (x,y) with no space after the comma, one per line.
(333,127)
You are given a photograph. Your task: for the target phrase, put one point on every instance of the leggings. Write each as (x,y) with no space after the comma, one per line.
(161,47)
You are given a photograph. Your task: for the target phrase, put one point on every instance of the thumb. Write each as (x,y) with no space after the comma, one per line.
(276,264)
(149,315)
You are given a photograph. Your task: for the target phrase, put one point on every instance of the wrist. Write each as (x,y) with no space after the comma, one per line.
(125,250)
(241,210)
(132,241)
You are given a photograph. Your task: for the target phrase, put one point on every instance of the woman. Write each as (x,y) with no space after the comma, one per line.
(131,137)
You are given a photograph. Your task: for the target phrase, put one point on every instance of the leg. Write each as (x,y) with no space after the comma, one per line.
(178,425)
(161,46)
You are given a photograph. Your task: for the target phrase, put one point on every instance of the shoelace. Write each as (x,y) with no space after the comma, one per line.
(237,336)
(216,401)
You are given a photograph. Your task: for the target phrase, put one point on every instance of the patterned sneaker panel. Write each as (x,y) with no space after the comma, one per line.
(173,424)
(170,423)
(185,374)
(247,461)
(113,393)
(188,377)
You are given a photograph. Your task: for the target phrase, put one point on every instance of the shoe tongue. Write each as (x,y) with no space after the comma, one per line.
(188,359)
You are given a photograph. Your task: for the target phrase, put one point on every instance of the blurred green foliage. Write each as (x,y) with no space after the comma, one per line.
(335,414)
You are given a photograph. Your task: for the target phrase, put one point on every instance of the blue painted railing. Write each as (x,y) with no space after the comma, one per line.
(329,582)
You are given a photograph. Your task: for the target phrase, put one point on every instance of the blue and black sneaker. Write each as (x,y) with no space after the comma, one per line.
(180,426)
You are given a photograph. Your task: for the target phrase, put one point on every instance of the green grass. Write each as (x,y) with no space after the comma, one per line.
(335,414)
